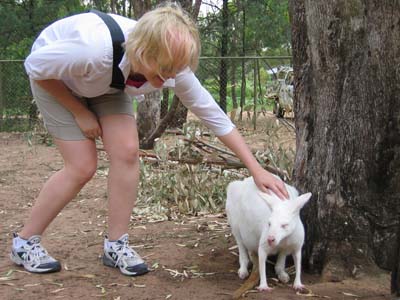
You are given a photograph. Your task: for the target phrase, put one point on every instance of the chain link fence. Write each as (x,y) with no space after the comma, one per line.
(17,110)
(240,85)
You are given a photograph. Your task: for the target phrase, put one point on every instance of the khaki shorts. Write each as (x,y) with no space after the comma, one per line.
(61,123)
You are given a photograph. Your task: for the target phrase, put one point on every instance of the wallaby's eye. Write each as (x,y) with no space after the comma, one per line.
(284,226)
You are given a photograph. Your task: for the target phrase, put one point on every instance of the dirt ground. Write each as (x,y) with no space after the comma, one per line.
(190,257)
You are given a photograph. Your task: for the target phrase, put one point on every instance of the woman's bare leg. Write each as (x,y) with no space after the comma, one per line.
(121,142)
(80,162)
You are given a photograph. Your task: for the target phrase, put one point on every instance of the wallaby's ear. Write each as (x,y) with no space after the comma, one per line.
(302,200)
(267,197)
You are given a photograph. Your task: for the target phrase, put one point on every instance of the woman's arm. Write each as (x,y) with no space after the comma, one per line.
(195,97)
(263,179)
(49,64)
(85,119)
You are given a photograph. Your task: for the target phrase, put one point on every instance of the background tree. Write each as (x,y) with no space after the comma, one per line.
(154,129)
(346,58)
(239,37)
(192,8)
(21,21)
(148,110)
(223,68)
(395,283)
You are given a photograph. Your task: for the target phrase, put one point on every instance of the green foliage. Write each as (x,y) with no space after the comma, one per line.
(197,188)
(264,24)
(22,20)
(187,188)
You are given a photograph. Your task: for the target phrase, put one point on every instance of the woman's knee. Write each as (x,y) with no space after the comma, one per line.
(127,152)
(83,170)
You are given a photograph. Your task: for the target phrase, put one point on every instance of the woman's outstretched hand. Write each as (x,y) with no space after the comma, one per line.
(266,181)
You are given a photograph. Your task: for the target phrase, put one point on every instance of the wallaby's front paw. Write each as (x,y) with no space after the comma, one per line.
(243,273)
(283,277)
(264,288)
(299,287)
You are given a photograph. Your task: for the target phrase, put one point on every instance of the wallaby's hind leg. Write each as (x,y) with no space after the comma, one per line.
(243,271)
(280,268)
(252,281)
(297,262)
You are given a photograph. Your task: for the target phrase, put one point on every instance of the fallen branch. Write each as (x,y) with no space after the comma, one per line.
(199,143)
(224,161)
(288,124)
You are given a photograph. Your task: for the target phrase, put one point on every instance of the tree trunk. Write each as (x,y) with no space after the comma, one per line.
(113,6)
(234,62)
(149,142)
(347,108)
(140,7)
(395,284)
(223,68)
(2,102)
(233,90)
(177,109)
(164,103)
(196,8)
(148,115)
(243,85)
(181,111)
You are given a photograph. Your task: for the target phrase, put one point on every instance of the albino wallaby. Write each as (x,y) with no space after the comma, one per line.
(265,224)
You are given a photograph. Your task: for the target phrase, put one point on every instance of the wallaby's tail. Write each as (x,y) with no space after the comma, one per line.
(251,281)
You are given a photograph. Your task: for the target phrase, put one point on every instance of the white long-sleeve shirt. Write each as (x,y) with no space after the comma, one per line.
(78,50)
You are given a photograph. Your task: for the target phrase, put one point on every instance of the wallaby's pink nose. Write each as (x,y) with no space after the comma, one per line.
(271,240)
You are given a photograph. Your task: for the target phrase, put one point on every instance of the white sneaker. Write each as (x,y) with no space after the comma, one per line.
(33,257)
(121,256)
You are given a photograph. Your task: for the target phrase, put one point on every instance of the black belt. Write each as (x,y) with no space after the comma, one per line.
(118,80)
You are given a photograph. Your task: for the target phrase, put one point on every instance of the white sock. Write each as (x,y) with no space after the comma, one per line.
(108,243)
(18,242)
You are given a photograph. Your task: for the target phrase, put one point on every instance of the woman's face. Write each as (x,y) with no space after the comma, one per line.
(152,75)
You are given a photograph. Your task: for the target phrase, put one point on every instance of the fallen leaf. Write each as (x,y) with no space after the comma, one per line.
(350,295)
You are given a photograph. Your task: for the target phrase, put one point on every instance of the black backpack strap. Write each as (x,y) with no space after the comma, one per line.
(118,80)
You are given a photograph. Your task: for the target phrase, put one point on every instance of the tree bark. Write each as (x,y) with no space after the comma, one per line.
(177,109)
(148,143)
(196,8)
(164,103)
(140,7)
(347,107)
(395,283)
(113,6)
(233,90)
(2,102)
(148,115)
(181,111)
(243,85)
(223,68)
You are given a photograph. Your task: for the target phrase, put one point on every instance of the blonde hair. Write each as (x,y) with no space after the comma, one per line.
(166,36)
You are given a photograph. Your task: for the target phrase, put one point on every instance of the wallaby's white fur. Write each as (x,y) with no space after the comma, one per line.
(265,224)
